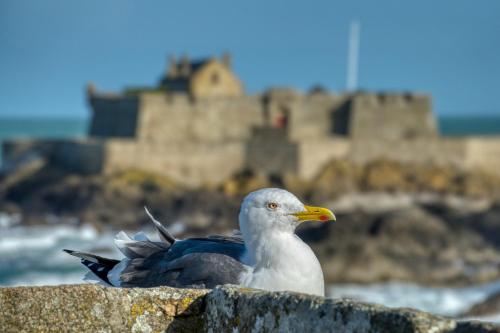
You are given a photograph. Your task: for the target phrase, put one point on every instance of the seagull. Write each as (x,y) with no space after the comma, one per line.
(265,254)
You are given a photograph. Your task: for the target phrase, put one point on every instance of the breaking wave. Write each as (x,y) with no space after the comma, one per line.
(33,255)
(444,301)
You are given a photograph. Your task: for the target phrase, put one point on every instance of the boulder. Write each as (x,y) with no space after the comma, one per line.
(92,308)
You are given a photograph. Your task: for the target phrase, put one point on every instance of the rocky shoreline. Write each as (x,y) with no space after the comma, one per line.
(427,225)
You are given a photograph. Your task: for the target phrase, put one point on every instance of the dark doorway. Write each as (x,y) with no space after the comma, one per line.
(340,119)
(281,120)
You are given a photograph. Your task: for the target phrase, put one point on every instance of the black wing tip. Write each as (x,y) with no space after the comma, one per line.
(73,253)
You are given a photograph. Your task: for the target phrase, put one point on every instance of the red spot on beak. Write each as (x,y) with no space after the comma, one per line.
(323,218)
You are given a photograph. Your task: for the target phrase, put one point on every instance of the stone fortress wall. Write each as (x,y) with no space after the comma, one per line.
(191,131)
(194,145)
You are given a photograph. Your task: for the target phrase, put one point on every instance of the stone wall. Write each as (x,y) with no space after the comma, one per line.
(114,116)
(420,151)
(391,117)
(312,117)
(177,119)
(83,156)
(269,151)
(90,308)
(315,154)
(210,163)
(190,164)
(467,153)
(483,153)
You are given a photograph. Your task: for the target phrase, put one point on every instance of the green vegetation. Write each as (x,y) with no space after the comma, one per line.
(134,91)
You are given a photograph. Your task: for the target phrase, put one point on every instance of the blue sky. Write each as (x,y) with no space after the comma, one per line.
(50,49)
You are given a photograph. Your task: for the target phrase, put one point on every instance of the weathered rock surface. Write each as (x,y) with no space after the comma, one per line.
(408,243)
(490,306)
(341,176)
(115,201)
(250,310)
(91,308)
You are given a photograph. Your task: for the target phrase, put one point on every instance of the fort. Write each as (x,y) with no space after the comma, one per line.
(198,127)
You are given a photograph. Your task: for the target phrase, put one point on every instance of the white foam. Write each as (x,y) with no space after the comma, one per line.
(440,300)
(9,220)
(34,256)
(45,279)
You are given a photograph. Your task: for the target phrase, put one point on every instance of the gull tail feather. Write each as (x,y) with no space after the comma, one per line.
(90,277)
(139,246)
(98,265)
(162,231)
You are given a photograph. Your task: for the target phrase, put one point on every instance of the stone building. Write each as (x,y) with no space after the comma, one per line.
(199,127)
(209,77)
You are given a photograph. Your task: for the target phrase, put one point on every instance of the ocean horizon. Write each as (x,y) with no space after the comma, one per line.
(63,127)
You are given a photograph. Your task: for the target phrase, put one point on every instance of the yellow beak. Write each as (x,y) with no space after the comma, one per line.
(315,214)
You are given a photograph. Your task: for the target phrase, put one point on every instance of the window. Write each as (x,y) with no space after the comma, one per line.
(215,78)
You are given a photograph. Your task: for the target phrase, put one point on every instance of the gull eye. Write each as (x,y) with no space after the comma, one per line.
(272,205)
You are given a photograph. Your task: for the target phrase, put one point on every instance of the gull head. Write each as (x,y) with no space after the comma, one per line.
(277,210)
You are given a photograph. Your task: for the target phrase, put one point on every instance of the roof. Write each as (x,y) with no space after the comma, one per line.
(197,64)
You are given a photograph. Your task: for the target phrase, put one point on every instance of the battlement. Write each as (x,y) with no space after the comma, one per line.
(402,116)
(282,93)
(177,117)
(390,100)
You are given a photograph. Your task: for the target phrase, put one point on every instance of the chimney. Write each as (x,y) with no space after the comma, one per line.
(172,70)
(91,89)
(226,59)
(185,67)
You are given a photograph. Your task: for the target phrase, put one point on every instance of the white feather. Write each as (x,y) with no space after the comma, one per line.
(123,242)
(92,278)
(115,274)
(141,236)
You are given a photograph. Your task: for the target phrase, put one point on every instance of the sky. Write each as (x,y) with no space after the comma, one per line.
(49,50)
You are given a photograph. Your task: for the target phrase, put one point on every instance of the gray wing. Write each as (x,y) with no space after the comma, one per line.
(193,262)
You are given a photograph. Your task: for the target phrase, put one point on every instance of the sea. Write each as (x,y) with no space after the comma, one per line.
(47,128)
(33,255)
